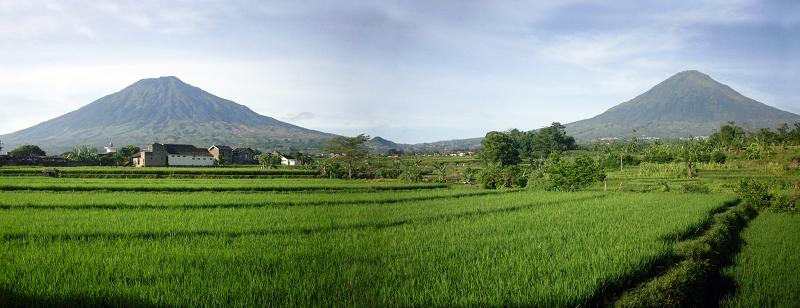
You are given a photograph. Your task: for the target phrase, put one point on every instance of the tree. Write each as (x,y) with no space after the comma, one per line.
(123,155)
(27,151)
(551,139)
(729,137)
(498,148)
(571,175)
(348,150)
(441,169)
(267,161)
(83,153)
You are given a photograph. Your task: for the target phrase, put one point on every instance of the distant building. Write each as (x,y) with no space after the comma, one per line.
(226,154)
(288,160)
(163,155)
(110,149)
(243,156)
(221,153)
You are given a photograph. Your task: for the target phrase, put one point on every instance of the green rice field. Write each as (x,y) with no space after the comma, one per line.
(304,242)
(767,271)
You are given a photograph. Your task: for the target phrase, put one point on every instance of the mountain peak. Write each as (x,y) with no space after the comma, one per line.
(163,81)
(165,109)
(687,103)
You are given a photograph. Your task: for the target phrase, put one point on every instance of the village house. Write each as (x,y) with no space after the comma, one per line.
(226,154)
(244,156)
(163,155)
(288,160)
(221,153)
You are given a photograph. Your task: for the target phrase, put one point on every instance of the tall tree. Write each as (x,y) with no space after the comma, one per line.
(498,148)
(552,139)
(730,136)
(123,156)
(83,153)
(349,150)
(26,151)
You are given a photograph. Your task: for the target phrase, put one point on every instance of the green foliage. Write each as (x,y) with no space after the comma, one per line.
(83,153)
(754,193)
(123,156)
(494,176)
(572,175)
(718,157)
(498,148)
(660,153)
(26,151)
(696,188)
(441,171)
(412,172)
(730,136)
(551,139)
(767,270)
(469,176)
(784,203)
(690,281)
(272,248)
(349,150)
(270,161)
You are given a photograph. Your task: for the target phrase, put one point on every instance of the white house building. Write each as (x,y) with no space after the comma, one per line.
(288,160)
(162,155)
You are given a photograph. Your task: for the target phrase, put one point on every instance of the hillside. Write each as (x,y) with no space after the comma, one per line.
(689,103)
(164,110)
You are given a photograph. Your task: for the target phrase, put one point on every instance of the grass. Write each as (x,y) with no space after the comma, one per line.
(193,185)
(122,200)
(767,271)
(445,248)
(162,172)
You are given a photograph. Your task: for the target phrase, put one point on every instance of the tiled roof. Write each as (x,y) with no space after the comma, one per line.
(185,149)
(222,147)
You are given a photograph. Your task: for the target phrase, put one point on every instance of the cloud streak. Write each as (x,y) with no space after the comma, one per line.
(411,71)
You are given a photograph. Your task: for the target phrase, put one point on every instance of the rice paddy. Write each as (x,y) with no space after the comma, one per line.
(208,240)
(767,271)
(257,242)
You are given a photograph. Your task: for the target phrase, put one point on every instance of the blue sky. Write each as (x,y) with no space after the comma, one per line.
(409,71)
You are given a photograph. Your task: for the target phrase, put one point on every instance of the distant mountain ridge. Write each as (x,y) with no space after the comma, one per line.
(689,103)
(165,110)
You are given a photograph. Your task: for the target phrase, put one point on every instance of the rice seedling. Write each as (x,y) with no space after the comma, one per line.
(767,271)
(516,248)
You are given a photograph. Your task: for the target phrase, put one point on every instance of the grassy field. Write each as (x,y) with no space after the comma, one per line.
(767,271)
(164,172)
(262,242)
(41,183)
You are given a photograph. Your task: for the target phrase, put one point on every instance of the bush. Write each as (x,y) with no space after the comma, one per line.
(572,175)
(784,203)
(494,176)
(754,193)
(718,157)
(411,173)
(698,188)
(469,176)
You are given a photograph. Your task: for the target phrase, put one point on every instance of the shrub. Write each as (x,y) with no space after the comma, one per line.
(494,176)
(469,176)
(571,175)
(718,157)
(664,186)
(784,202)
(754,193)
(411,173)
(695,188)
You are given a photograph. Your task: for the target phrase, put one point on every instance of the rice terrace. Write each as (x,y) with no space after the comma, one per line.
(162,194)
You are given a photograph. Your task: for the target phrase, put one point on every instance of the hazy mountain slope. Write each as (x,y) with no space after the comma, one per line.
(689,103)
(165,110)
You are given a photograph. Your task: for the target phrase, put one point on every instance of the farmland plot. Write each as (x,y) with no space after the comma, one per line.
(445,247)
